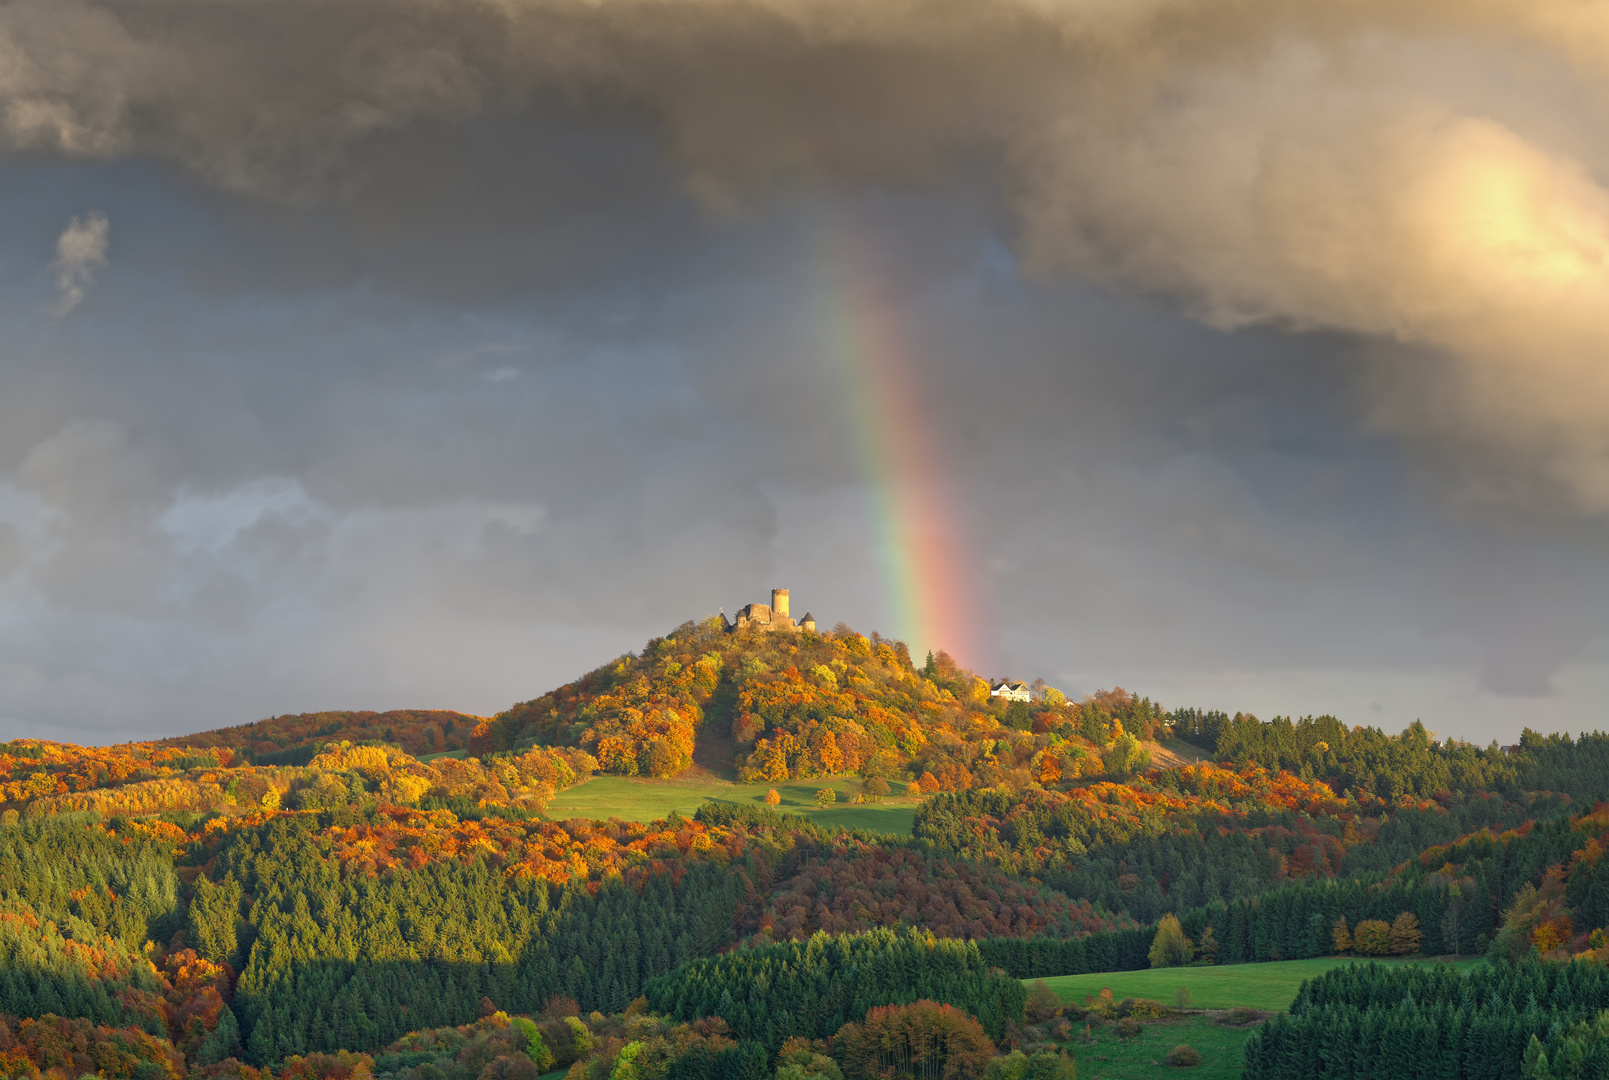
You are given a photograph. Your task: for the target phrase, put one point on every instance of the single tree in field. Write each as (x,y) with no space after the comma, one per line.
(826,796)
(913,790)
(772,798)
(1170,947)
(874,788)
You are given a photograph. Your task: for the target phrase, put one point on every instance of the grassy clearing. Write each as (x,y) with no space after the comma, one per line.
(1141,1057)
(1270,986)
(649,800)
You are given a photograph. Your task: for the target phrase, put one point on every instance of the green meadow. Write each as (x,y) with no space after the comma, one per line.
(1267,987)
(1141,1058)
(1270,986)
(648,800)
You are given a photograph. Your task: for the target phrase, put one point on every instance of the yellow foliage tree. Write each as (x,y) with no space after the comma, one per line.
(1170,948)
(1405,934)
(1372,937)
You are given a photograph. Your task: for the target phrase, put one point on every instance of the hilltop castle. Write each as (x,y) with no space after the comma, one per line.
(775,617)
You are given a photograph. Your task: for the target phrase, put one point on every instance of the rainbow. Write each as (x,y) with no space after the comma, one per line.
(907,488)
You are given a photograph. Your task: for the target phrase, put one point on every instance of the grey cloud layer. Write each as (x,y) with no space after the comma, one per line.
(222,508)
(441,391)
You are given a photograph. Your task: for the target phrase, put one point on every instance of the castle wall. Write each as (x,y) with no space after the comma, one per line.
(773,617)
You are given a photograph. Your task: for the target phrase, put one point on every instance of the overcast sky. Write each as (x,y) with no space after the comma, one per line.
(429,353)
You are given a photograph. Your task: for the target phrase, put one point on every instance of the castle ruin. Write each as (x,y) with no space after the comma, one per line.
(764,618)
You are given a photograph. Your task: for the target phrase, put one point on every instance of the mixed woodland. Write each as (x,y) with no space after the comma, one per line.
(355,894)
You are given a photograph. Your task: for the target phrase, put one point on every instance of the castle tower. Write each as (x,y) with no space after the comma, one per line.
(779,603)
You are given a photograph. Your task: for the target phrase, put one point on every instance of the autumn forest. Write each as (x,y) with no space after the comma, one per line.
(355,894)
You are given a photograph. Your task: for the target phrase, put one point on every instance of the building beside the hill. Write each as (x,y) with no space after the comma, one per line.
(1010,691)
(765,618)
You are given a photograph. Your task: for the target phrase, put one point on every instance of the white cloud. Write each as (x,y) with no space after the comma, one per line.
(212,523)
(80,251)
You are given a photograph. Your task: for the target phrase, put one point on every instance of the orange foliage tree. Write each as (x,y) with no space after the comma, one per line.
(923,1039)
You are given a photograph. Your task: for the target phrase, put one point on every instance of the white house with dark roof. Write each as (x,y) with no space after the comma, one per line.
(1011,691)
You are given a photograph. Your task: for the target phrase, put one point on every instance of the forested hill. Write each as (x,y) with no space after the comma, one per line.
(294,739)
(783,706)
(794,706)
(338,894)
(807,704)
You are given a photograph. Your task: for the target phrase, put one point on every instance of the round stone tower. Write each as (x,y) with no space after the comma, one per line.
(779,603)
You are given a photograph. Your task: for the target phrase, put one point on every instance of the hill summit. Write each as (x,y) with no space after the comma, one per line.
(759,697)
(804,703)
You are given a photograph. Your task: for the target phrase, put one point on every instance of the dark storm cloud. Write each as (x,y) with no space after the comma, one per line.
(1396,171)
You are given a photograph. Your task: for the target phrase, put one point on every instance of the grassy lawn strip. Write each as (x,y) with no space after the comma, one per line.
(649,800)
(458,754)
(1270,986)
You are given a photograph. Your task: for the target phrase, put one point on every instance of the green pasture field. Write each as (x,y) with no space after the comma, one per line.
(649,800)
(1141,1058)
(459,754)
(1271,986)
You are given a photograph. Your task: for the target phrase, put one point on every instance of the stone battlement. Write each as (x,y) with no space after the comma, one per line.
(768,617)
